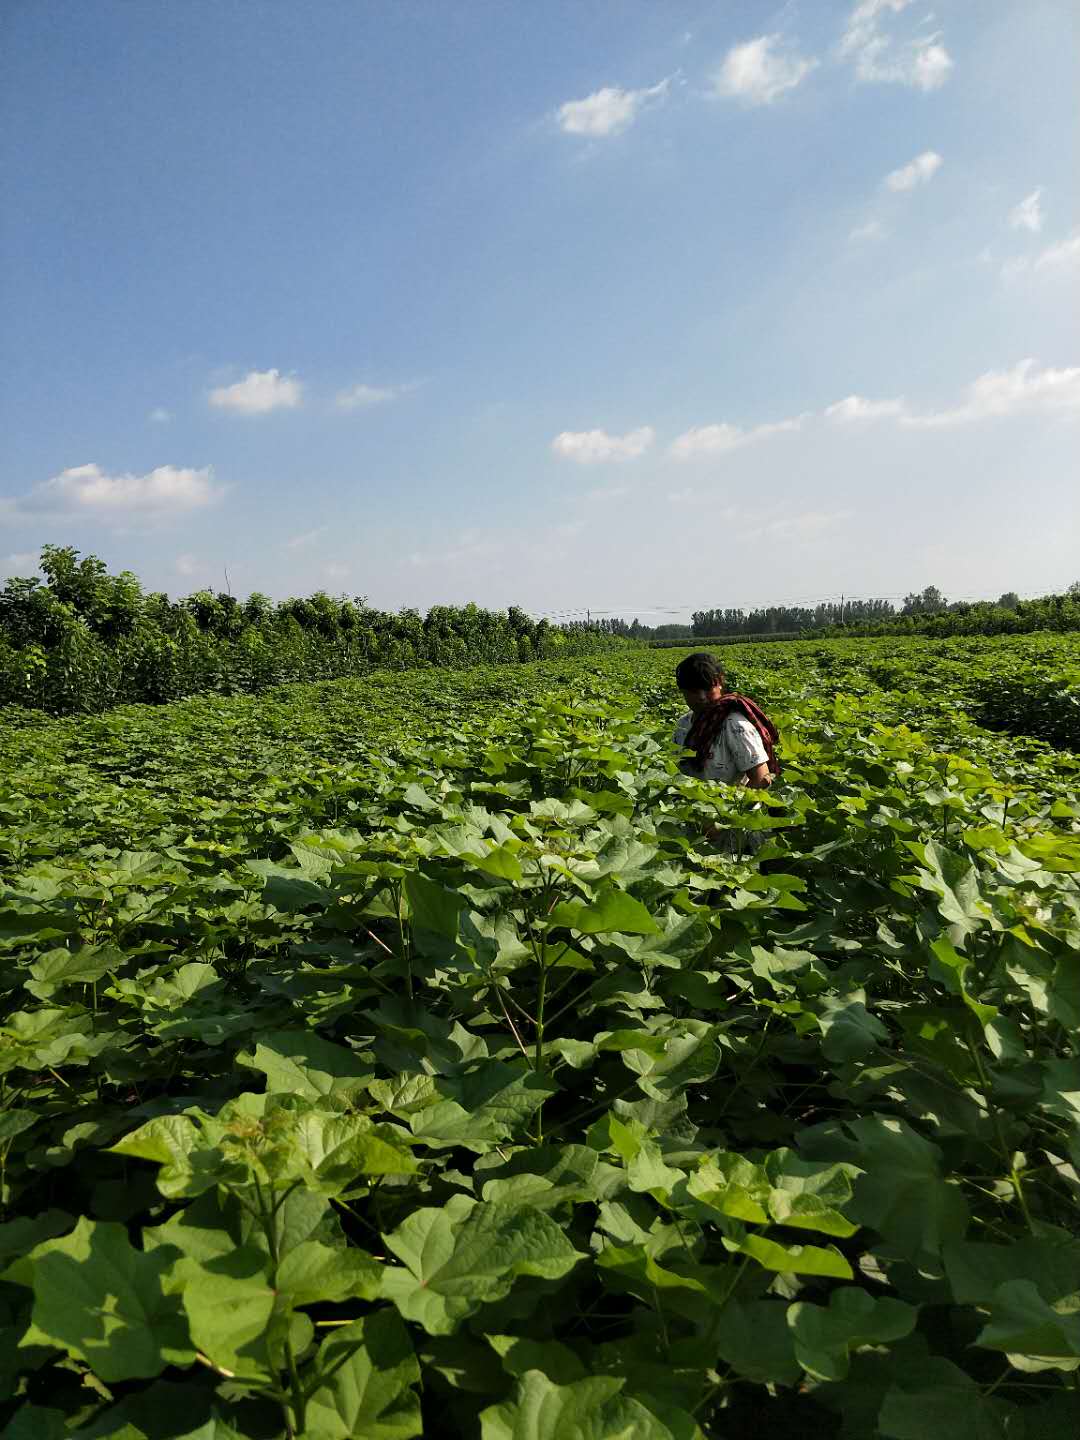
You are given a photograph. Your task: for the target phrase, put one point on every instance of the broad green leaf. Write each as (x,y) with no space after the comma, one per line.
(102,1301)
(937,1399)
(370,1370)
(1023,1323)
(611,909)
(807,1196)
(229,1303)
(432,907)
(463,1256)
(313,1272)
(826,1336)
(794,1259)
(591,1409)
(58,968)
(901,1193)
(755,1340)
(302,1063)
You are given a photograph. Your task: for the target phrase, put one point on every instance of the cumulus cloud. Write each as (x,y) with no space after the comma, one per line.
(1028,215)
(721,439)
(259,392)
(1023,390)
(593,447)
(759,71)
(608,111)
(857,408)
(916,172)
(869,44)
(360,397)
(88,490)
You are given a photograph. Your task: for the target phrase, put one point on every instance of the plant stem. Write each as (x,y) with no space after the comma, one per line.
(995,1118)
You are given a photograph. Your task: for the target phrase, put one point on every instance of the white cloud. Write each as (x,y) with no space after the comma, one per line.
(1028,215)
(871,230)
(916,172)
(308,537)
(1059,257)
(1065,252)
(759,71)
(922,61)
(1023,390)
(721,439)
(592,447)
(87,489)
(358,397)
(160,416)
(608,111)
(259,392)
(186,564)
(856,407)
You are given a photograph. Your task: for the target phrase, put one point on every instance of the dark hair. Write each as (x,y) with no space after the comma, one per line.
(699,672)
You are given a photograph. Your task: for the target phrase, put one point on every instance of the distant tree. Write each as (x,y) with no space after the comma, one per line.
(1009,601)
(927,602)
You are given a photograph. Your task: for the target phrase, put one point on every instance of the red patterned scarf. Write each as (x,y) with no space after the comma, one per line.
(709,721)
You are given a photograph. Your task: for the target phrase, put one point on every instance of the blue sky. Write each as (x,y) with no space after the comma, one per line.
(619,306)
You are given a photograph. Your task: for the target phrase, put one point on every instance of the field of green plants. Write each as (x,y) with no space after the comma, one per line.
(401,1057)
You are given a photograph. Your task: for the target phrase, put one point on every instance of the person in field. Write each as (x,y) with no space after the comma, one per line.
(733,740)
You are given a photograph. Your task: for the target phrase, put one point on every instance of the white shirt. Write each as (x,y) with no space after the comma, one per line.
(738,749)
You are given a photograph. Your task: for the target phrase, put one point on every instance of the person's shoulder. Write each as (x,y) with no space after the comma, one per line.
(740,724)
(682,725)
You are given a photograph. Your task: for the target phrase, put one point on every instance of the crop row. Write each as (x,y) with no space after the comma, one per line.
(390,1057)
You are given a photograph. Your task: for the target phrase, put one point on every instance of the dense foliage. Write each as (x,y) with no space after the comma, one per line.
(401,1056)
(84,640)
(980,617)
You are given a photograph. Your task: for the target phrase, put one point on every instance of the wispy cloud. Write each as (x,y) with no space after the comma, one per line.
(721,439)
(159,415)
(186,565)
(1063,255)
(594,447)
(1028,215)
(804,526)
(869,43)
(857,408)
(360,397)
(916,172)
(88,490)
(608,111)
(306,538)
(759,71)
(258,393)
(1025,389)
(871,230)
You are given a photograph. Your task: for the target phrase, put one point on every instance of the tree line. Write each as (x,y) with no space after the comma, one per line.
(81,639)
(924,612)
